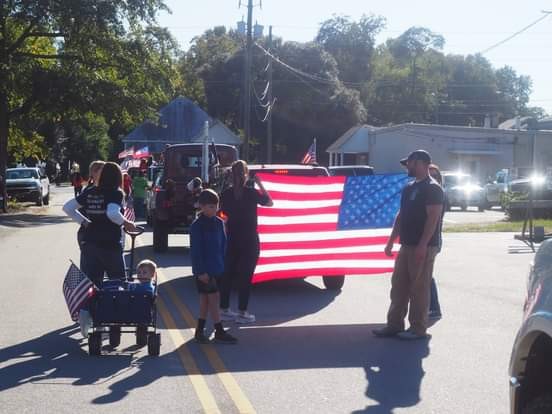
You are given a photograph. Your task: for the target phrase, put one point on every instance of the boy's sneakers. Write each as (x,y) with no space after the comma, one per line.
(223,337)
(85,322)
(245,317)
(228,314)
(200,338)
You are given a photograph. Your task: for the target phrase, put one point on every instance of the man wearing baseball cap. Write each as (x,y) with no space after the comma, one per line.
(417,225)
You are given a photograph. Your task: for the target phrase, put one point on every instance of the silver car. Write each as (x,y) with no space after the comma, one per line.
(531,359)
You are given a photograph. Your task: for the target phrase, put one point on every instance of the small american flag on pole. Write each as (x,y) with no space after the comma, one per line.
(129,213)
(310,156)
(75,290)
(326,226)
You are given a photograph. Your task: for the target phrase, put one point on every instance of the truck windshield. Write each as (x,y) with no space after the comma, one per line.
(21,174)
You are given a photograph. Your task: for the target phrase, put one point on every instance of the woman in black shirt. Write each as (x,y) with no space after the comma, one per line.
(101,237)
(239,204)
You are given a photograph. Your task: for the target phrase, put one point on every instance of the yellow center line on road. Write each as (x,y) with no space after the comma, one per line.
(201,389)
(228,381)
(239,398)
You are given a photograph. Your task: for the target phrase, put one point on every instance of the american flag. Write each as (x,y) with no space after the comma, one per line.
(310,156)
(75,290)
(326,225)
(129,213)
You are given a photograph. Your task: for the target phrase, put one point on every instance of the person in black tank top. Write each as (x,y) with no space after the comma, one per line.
(239,204)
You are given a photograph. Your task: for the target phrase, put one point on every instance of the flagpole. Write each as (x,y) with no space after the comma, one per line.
(315,154)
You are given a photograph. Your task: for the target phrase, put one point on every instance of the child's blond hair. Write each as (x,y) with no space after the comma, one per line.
(148,263)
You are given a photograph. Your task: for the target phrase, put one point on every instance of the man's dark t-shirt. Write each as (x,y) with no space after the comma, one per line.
(415,197)
(101,230)
(242,213)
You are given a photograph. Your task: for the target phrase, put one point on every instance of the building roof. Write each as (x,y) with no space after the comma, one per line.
(356,137)
(180,121)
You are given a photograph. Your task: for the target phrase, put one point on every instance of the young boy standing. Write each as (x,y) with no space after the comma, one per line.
(208,243)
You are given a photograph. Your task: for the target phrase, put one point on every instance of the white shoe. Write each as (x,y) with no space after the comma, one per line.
(245,317)
(85,322)
(228,315)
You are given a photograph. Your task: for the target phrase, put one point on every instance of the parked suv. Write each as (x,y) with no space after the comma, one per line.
(28,184)
(531,359)
(331,282)
(170,204)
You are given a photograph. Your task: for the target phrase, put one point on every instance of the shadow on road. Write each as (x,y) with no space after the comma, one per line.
(393,368)
(60,359)
(23,220)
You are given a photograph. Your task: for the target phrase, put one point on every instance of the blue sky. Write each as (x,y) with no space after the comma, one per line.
(468,26)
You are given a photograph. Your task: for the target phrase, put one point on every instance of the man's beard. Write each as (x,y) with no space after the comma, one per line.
(411,172)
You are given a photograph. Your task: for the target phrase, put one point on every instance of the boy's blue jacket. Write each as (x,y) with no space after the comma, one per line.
(208,245)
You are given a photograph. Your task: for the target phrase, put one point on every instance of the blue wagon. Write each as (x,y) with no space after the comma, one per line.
(122,306)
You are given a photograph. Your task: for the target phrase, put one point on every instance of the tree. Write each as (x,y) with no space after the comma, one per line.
(351,44)
(37,37)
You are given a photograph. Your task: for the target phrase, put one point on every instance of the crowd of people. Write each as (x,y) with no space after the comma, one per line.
(224,253)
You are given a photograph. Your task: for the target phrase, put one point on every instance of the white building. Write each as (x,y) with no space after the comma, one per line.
(478,151)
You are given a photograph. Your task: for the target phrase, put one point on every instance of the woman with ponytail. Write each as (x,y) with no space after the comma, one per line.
(239,204)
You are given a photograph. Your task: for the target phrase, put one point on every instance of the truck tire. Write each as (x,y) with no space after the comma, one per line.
(39,200)
(333,282)
(160,236)
(95,344)
(540,405)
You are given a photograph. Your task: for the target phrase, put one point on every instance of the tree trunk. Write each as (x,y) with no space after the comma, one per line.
(4,129)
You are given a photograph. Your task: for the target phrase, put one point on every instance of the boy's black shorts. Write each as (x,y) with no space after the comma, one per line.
(207,288)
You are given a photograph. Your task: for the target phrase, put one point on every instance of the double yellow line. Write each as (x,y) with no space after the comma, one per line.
(197,379)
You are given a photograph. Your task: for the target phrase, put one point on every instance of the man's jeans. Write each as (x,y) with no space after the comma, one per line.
(410,286)
(434,305)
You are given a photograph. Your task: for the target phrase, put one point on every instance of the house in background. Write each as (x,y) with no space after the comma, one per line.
(478,151)
(181,121)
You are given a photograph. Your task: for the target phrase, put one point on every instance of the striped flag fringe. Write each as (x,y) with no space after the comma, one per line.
(324,226)
(76,286)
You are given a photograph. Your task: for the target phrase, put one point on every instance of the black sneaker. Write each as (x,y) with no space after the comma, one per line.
(200,338)
(224,337)
(385,332)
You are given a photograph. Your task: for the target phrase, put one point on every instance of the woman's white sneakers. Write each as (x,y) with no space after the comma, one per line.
(245,317)
(228,315)
(239,317)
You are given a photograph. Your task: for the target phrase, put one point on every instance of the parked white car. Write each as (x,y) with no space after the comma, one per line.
(28,184)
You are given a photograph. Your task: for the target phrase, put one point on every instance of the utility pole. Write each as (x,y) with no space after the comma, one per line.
(270,103)
(247,81)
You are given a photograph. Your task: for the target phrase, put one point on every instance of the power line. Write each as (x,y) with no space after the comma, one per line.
(546,14)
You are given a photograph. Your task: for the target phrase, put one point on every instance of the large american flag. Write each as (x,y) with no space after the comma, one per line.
(75,290)
(326,225)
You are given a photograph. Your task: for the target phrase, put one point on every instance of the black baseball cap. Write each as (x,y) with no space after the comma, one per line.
(420,154)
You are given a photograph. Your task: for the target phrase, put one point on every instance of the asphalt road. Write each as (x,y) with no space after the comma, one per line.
(311,350)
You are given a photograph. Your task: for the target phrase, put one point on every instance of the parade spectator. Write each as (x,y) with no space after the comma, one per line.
(239,205)
(139,187)
(146,277)
(434,305)
(208,243)
(76,179)
(417,225)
